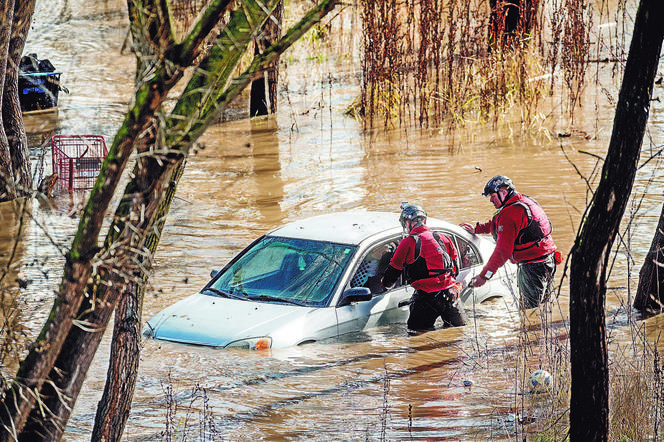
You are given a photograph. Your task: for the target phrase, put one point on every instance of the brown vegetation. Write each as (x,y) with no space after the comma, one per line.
(433,62)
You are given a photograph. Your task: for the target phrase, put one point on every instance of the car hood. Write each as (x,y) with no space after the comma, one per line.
(215,321)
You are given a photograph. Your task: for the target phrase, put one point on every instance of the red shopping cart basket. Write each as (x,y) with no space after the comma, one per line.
(77,159)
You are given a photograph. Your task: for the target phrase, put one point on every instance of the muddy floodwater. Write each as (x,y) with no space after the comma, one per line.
(249,177)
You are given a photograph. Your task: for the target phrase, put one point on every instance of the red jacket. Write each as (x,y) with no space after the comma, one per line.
(427,280)
(508,226)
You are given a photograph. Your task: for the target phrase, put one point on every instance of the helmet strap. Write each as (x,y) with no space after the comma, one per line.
(507,196)
(411,224)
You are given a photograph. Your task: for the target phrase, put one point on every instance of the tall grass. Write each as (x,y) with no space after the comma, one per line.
(636,384)
(446,62)
(189,415)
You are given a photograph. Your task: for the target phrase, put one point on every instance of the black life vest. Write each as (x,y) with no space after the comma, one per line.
(434,262)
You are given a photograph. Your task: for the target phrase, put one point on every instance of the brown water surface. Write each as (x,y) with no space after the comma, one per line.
(250,177)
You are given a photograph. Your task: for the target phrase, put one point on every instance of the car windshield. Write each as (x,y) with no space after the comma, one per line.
(288,270)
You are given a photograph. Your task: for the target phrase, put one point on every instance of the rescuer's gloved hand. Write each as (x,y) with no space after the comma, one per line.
(478,281)
(468,227)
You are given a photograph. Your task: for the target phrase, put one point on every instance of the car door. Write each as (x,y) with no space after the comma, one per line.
(384,306)
(469,263)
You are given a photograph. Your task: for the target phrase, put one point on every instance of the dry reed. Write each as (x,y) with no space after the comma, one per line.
(432,62)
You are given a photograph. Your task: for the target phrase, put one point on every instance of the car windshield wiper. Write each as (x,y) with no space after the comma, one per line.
(269,298)
(223,293)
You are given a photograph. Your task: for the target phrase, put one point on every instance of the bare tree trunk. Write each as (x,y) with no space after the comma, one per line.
(650,292)
(273,29)
(115,404)
(48,422)
(258,99)
(11,106)
(7,189)
(589,404)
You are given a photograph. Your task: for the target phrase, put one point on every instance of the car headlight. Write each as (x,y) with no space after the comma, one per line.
(261,343)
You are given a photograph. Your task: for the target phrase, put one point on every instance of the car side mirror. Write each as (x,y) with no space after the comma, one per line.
(214,273)
(356,294)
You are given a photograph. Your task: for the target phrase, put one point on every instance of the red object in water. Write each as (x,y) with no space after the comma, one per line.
(77,159)
(558,256)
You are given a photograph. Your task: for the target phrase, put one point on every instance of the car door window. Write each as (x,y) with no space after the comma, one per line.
(373,265)
(468,255)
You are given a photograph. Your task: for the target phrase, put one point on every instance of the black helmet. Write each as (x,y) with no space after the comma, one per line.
(496,183)
(411,212)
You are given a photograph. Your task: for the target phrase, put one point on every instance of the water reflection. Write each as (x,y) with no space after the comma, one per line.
(15,219)
(14,237)
(267,169)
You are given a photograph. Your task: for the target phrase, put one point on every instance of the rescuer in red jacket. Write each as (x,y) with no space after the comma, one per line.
(523,235)
(428,259)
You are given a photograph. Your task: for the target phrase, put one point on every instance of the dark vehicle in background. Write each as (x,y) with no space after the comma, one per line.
(38,89)
(38,84)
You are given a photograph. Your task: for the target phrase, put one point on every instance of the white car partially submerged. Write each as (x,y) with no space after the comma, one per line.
(315,279)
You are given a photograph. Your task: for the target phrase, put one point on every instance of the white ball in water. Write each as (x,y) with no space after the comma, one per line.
(539,381)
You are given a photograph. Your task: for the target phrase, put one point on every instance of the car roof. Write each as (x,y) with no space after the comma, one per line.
(351,227)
